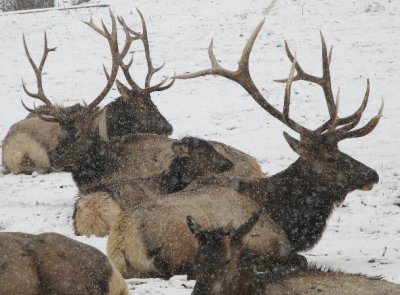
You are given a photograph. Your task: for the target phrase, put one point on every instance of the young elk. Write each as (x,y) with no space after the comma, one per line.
(154,240)
(217,263)
(302,197)
(222,267)
(50,263)
(26,145)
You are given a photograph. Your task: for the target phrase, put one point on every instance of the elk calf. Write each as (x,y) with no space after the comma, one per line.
(50,263)
(154,240)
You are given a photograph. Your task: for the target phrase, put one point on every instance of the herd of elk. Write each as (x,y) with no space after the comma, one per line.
(182,206)
(297,201)
(106,168)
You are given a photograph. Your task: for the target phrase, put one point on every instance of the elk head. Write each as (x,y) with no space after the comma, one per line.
(194,157)
(79,123)
(135,112)
(217,262)
(318,149)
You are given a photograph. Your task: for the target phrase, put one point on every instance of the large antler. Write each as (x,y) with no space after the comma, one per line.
(329,131)
(50,109)
(117,56)
(151,70)
(52,113)
(336,128)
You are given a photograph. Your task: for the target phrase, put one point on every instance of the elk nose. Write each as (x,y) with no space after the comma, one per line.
(373,176)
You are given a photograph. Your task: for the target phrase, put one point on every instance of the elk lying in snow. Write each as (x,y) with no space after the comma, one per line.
(154,240)
(26,145)
(301,198)
(115,176)
(223,267)
(50,263)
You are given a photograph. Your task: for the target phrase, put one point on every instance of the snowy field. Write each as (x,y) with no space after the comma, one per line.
(363,235)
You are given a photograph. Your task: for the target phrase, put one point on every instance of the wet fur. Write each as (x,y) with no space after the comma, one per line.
(26,145)
(50,263)
(158,228)
(138,163)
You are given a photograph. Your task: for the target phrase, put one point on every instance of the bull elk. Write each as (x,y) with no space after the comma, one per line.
(26,144)
(223,267)
(50,263)
(302,197)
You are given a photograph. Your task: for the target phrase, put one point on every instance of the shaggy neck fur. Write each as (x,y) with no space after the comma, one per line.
(299,200)
(99,161)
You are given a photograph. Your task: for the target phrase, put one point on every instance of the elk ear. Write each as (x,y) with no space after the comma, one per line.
(194,227)
(245,228)
(295,145)
(228,229)
(124,91)
(180,149)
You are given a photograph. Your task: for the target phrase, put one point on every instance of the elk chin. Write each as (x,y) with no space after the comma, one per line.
(367,187)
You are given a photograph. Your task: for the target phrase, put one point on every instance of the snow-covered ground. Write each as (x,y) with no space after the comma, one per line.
(363,235)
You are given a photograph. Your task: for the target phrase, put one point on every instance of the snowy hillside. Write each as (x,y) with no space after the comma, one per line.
(363,235)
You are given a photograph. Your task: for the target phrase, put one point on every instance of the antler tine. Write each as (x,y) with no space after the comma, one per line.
(352,120)
(151,70)
(160,87)
(145,40)
(128,38)
(242,77)
(242,72)
(324,81)
(112,39)
(125,67)
(244,59)
(38,72)
(288,89)
(366,129)
(26,107)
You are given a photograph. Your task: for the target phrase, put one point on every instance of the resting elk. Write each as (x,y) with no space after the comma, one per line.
(223,267)
(26,144)
(110,169)
(153,239)
(50,263)
(301,198)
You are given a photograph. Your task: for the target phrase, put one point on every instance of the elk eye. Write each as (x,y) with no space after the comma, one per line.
(330,159)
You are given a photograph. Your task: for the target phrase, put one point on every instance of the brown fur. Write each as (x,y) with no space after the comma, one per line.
(154,239)
(18,273)
(137,179)
(244,164)
(26,145)
(50,263)
(95,212)
(227,269)
(331,283)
